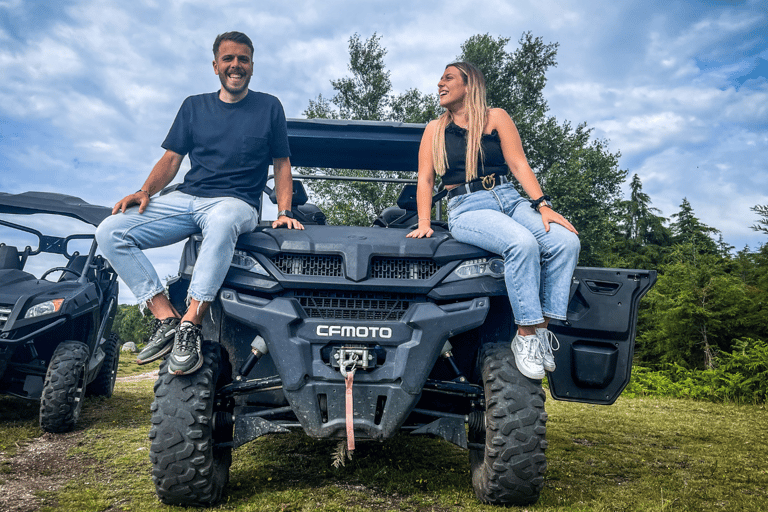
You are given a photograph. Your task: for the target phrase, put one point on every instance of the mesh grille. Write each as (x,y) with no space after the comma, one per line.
(5,312)
(339,305)
(403,268)
(328,265)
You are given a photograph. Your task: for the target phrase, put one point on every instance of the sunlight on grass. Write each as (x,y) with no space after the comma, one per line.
(639,454)
(128,367)
(19,423)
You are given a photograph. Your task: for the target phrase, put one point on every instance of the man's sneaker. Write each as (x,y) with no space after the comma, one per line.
(161,341)
(548,343)
(186,356)
(528,356)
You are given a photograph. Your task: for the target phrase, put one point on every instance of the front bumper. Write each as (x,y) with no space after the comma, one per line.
(384,395)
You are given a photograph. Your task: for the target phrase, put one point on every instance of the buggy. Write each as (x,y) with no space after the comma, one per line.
(56,339)
(358,333)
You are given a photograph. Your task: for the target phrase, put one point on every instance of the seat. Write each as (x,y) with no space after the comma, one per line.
(304,212)
(77,263)
(402,215)
(9,258)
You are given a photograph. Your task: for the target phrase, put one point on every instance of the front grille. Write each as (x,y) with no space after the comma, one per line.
(327,265)
(340,305)
(5,313)
(403,268)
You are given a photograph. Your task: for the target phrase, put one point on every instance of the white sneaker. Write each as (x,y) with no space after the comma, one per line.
(528,356)
(548,343)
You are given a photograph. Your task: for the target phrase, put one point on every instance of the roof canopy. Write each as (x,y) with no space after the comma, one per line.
(342,144)
(28,203)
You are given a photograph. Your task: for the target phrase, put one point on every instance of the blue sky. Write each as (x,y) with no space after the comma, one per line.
(680,88)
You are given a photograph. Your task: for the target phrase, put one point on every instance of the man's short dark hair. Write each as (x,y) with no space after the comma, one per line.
(237,37)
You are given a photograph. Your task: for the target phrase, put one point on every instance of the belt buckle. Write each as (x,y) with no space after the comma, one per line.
(489,182)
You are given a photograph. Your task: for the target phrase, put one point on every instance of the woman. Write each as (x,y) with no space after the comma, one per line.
(473,147)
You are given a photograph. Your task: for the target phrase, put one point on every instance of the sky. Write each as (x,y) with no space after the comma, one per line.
(90,88)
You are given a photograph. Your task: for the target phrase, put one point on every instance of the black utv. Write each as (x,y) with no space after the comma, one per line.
(56,339)
(358,333)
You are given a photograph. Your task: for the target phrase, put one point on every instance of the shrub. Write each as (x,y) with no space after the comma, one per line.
(740,376)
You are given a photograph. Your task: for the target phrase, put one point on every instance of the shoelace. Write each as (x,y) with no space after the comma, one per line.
(534,351)
(187,339)
(156,324)
(550,346)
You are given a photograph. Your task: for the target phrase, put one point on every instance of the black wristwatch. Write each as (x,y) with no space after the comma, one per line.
(538,203)
(285,213)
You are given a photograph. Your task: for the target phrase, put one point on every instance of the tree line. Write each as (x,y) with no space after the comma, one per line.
(708,300)
(709,306)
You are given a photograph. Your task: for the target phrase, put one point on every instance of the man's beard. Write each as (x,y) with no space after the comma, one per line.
(223,78)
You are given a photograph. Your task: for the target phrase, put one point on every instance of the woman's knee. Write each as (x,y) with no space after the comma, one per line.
(524,245)
(573,244)
(567,244)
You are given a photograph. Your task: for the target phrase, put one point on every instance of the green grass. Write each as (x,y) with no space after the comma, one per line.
(639,454)
(15,427)
(128,366)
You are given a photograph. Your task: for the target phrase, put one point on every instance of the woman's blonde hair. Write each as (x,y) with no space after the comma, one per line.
(477,115)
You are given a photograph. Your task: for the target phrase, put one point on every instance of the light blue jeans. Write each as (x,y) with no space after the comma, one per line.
(169,219)
(538,265)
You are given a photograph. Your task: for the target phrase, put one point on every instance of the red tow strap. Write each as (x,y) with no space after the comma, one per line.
(350,414)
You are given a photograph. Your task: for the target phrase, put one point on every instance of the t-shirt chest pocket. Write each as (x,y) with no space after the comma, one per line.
(253,150)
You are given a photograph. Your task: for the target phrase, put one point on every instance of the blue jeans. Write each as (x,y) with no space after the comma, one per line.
(169,219)
(538,265)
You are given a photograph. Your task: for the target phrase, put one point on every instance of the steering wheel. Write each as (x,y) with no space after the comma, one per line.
(62,269)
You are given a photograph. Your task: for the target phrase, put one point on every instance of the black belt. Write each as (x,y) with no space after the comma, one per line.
(484,183)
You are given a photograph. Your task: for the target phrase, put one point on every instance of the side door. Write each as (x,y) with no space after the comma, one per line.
(597,341)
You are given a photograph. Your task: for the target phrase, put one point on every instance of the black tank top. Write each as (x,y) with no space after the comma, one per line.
(456,149)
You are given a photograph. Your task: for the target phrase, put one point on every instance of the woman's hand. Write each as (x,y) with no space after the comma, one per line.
(549,215)
(424,230)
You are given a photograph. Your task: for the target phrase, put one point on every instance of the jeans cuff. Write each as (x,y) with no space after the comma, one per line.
(199,298)
(528,323)
(146,299)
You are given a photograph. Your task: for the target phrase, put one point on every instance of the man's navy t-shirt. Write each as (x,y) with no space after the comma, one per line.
(230,145)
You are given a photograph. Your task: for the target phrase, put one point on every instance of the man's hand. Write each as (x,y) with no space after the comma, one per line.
(140,197)
(287,222)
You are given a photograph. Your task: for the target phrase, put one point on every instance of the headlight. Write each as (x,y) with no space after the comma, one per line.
(242,259)
(44,308)
(493,267)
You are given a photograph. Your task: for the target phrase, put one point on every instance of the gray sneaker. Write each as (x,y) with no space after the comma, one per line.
(161,341)
(186,356)
(549,343)
(528,356)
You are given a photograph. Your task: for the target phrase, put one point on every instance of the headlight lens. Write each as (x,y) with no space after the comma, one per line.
(493,267)
(242,259)
(44,308)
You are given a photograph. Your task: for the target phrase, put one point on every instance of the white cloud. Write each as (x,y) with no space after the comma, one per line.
(90,87)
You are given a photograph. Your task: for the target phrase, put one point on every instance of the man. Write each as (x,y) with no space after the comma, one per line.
(231,137)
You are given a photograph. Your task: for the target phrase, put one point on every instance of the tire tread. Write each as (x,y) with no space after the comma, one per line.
(510,470)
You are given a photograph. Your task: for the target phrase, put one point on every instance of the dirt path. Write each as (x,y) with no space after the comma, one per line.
(43,465)
(135,378)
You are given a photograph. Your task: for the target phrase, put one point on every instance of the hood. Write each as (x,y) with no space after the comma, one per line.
(358,245)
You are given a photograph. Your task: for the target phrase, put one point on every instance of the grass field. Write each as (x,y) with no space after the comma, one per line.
(638,455)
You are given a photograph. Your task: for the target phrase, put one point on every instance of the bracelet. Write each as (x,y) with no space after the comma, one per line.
(430,220)
(536,202)
(142,190)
